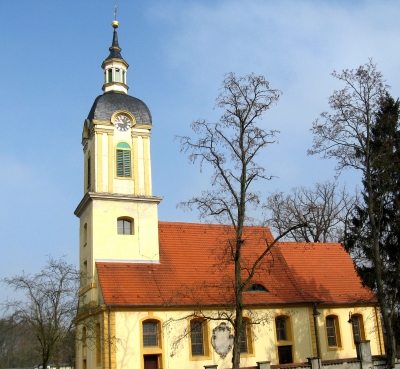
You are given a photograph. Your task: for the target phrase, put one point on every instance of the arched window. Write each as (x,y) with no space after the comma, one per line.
(109,73)
(98,344)
(84,348)
(281,328)
(125,226)
(152,343)
(332,331)
(123,77)
(123,160)
(197,337)
(84,336)
(199,347)
(357,327)
(151,333)
(284,339)
(246,339)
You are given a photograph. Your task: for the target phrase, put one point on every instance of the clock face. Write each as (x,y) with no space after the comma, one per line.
(122,122)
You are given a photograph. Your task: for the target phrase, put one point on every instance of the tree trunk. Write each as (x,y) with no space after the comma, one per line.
(390,338)
(375,230)
(239,307)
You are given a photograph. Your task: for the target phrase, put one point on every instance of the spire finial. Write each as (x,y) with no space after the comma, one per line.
(115,23)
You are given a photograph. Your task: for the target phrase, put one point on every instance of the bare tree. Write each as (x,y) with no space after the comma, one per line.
(346,136)
(324,209)
(231,147)
(49,306)
(16,345)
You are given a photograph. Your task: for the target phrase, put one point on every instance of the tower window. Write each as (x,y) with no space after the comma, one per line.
(123,77)
(85,234)
(123,160)
(88,172)
(109,72)
(85,269)
(117,75)
(124,226)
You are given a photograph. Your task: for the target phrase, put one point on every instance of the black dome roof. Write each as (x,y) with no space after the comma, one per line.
(107,104)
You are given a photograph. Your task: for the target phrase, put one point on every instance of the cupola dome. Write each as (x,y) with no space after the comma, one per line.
(107,104)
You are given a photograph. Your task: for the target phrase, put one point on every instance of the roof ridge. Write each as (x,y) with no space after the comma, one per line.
(165,222)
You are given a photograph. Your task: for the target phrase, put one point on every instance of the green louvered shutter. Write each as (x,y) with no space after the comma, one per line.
(127,163)
(123,163)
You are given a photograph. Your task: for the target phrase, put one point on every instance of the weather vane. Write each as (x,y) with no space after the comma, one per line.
(115,10)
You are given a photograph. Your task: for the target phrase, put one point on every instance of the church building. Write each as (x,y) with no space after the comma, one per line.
(153,293)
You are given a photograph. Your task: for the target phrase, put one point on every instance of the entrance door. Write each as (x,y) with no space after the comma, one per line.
(150,362)
(285,354)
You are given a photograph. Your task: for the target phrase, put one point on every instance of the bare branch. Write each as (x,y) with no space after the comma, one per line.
(50,304)
(324,209)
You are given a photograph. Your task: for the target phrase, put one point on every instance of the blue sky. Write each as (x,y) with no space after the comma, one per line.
(178,51)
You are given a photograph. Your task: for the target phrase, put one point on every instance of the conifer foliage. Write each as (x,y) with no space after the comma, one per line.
(361,132)
(381,206)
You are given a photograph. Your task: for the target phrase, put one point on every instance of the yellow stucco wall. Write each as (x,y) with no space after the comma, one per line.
(130,351)
(100,218)
(141,245)
(102,146)
(346,346)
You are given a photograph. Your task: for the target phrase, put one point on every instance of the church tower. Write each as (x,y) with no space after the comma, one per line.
(118,214)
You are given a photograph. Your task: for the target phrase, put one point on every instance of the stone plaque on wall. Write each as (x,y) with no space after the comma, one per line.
(222,339)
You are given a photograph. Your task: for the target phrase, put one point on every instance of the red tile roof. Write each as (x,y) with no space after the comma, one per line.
(195,268)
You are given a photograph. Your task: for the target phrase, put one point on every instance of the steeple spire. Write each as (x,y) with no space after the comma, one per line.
(115,50)
(115,66)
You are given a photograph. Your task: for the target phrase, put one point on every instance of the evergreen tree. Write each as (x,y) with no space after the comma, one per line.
(375,247)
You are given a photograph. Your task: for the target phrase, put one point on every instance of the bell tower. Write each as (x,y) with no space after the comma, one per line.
(118,214)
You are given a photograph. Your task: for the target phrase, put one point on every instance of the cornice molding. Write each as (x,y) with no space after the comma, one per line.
(114,60)
(104,130)
(140,134)
(115,84)
(90,196)
(144,126)
(102,122)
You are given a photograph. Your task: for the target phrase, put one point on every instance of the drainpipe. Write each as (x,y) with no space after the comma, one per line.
(109,337)
(315,315)
(379,331)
